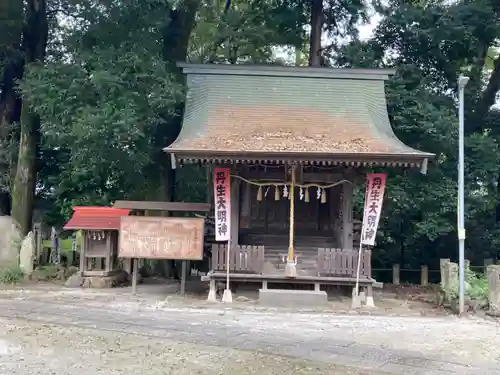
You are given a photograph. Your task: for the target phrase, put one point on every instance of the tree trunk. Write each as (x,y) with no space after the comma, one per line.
(316,31)
(175,45)
(178,31)
(35,36)
(11,11)
(23,192)
(488,96)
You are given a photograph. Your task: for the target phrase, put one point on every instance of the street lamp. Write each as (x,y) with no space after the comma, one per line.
(462,82)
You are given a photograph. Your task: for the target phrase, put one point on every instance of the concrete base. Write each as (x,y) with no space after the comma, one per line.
(212,296)
(356,300)
(290,270)
(292,298)
(362,297)
(369,302)
(101,282)
(227,297)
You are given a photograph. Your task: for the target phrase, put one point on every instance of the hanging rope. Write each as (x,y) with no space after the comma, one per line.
(304,186)
(266,166)
(287,193)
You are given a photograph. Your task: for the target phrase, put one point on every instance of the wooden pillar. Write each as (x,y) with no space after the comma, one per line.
(183,278)
(424,275)
(246,205)
(291,196)
(37,229)
(210,186)
(135,274)
(109,254)
(235,211)
(395,274)
(83,260)
(346,207)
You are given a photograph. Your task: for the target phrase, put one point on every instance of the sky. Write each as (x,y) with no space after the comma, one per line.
(365,32)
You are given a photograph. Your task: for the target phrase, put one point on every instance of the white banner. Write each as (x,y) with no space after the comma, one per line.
(222,203)
(374,197)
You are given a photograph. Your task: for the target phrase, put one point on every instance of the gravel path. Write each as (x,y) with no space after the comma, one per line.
(229,341)
(28,348)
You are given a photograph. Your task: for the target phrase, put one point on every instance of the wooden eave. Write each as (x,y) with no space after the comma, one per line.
(323,159)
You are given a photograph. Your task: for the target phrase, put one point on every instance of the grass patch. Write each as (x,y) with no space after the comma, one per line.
(47,272)
(11,275)
(64,245)
(476,286)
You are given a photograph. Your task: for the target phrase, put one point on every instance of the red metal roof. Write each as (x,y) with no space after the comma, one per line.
(96,218)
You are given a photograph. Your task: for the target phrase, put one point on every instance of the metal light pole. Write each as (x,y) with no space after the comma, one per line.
(462,82)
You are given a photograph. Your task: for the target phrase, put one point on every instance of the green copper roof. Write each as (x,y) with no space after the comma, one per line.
(330,114)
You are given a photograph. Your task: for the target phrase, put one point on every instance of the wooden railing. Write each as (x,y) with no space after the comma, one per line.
(242,259)
(342,262)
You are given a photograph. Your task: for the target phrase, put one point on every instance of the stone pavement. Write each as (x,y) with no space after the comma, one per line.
(409,346)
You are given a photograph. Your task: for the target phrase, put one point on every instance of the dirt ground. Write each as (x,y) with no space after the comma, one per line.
(28,348)
(392,300)
(49,329)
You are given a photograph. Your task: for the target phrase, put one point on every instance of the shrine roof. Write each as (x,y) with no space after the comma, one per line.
(241,113)
(95,218)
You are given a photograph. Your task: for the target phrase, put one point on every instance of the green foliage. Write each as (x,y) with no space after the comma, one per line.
(109,100)
(48,272)
(11,275)
(429,44)
(476,286)
(65,245)
(192,184)
(104,110)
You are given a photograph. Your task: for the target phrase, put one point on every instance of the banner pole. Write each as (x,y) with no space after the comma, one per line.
(227,263)
(227,296)
(359,265)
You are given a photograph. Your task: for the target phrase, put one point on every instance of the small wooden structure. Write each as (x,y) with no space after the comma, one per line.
(99,251)
(155,237)
(297,141)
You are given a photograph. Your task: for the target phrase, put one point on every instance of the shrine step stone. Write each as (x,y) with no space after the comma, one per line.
(292,298)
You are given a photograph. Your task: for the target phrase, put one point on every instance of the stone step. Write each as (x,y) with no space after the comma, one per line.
(292,298)
(303,262)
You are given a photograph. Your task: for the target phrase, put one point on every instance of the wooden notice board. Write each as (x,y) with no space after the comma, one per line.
(150,237)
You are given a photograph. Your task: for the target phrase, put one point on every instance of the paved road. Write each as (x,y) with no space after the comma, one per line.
(409,346)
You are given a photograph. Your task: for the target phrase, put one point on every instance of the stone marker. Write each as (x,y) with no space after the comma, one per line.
(74,281)
(292,298)
(424,275)
(493,273)
(486,263)
(450,281)
(10,242)
(442,261)
(28,253)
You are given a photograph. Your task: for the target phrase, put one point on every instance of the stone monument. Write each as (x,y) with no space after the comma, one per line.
(10,242)
(493,274)
(27,254)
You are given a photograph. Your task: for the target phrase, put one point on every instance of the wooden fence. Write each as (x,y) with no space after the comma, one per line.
(242,259)
(423,276)
(342,262)
(52,249)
